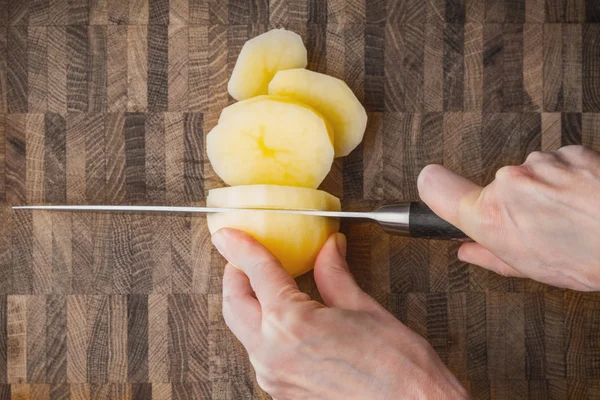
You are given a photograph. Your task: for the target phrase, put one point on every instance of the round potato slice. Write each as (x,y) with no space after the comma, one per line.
(332,98)
(271,141)
(261,57)
(294,239)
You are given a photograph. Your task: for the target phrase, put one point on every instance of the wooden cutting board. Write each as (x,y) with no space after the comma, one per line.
(108,101)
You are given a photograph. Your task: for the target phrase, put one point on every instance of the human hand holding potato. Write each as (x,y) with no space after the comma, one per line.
(348,348)
(294,239)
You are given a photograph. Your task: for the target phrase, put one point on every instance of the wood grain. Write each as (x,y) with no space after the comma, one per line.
(115,170)
(413,67)
(135,171)
(193,163)
(155,157)
(553,72)
(453,66)
(78,12)
(77,68)
(95,162)
(570,129)
(157,69)
(403,12)
(35,140)
(473,67)
(137,338)
(3,69)
(572,68)
(55,338)
(42,253)
(533,68)
(55,149)
(109,102)
(393,69)
(17,89)
(116,68)
(591,77)
(198,74)
(16,339)
(96,76)
(374,68)
(62,253)
(512,74)
(37,74)
(158,334)
(57,69)
(178,67)
(16,166)
(493,68)
(590,124)
(76,157)
(457,334)
(36,345)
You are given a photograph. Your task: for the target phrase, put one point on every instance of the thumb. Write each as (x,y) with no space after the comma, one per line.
(335,281)
(450,196)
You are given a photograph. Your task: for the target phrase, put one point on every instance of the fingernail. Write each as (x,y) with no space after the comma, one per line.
(340,241)
(218,239)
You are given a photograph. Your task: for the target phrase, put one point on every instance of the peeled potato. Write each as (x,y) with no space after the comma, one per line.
(294,239)
(332,98)
(261,57)
(271,141)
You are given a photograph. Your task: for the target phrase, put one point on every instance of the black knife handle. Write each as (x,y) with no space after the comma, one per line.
(424,223)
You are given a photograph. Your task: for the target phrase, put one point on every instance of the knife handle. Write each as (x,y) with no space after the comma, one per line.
(416,220)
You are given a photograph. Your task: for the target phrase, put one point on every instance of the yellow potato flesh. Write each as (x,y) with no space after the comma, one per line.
(331,97)
(271,142)
(261,57)
(294,239)
(229,111)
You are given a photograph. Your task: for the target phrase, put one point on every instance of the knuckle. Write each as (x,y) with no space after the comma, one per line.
(267,265)
(536,155)
(337,269)
(540,156)
(578,155)
(515,176)
(290,292)
(283,325)
(509,172)
(422,349)
(273,315)
(572,150)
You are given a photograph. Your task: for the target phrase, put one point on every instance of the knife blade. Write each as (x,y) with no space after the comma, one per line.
(203,210)
(413,219)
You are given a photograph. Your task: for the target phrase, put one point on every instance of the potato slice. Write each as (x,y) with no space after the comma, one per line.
(261,57)
(332,98)
(270,141)
(294,239)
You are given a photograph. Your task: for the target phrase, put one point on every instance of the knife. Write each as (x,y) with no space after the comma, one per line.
(412,219)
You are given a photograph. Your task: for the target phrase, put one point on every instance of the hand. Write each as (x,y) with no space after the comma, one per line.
(538,220)
(352,348)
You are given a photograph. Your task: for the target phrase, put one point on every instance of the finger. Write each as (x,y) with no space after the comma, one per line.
(474,253)
(271,283)
(335,281)
(450,196)
(241,309)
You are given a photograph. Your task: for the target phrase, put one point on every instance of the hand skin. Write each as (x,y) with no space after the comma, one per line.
(539,220)
(349,348)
